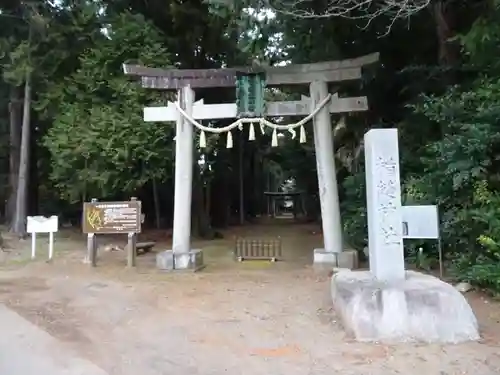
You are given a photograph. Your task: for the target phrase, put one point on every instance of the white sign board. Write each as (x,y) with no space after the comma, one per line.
(420,222)
(42,224)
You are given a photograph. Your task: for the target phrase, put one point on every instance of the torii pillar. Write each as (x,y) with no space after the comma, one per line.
(181,239)
(332,253)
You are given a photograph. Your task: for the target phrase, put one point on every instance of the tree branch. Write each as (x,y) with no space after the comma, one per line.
(355,9)
(366,10)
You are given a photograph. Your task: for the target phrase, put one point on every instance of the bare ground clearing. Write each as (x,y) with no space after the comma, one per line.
(249,318)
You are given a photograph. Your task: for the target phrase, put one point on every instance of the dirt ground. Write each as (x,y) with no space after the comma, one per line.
(237,318)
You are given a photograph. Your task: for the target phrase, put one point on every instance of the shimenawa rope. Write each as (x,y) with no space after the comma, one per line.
(262,121)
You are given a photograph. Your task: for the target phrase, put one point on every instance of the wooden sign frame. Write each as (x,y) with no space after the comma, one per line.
(129,226)
(124,217)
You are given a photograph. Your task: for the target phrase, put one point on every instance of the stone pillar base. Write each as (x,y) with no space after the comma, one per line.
(170,261)
(419,308)
(345,259)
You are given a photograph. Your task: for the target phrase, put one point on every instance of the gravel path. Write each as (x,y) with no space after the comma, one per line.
(243,321)
(25,349)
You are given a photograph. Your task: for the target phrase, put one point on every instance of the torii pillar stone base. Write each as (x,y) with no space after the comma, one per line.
(325,260)
(170,261)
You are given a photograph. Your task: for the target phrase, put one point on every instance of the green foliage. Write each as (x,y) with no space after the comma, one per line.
(28,29)
(99,143)
(354,210)
(482,266)
(455,163)
(19,65)
(461,175)
(420,259)
(465,160)
(482,40)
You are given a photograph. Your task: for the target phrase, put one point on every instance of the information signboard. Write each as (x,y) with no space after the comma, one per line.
(112,217)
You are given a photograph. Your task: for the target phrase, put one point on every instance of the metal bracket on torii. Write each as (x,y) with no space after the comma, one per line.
(317,75)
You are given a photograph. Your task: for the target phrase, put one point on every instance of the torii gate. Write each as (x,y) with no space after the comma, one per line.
(186,112)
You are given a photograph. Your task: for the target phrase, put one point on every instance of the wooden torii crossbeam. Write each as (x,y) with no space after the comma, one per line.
(174,79)
(303,107)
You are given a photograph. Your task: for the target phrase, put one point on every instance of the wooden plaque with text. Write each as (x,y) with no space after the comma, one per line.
(112,217)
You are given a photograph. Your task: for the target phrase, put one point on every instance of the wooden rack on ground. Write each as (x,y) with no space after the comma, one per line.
(248,248)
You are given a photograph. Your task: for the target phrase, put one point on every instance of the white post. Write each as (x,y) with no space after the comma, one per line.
(383,195)
(33,245)
(327,176)
(51,245)
(181,242)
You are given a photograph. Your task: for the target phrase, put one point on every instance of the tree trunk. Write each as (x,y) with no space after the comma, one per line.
(201,226)
(84,194)
(449,51)
(33,187)
(19,225)
(219,194)
(220,190)
(156,204)
(241,197)
(253,197)
(15,126)
(208,198)
(268,189)
(14,152)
